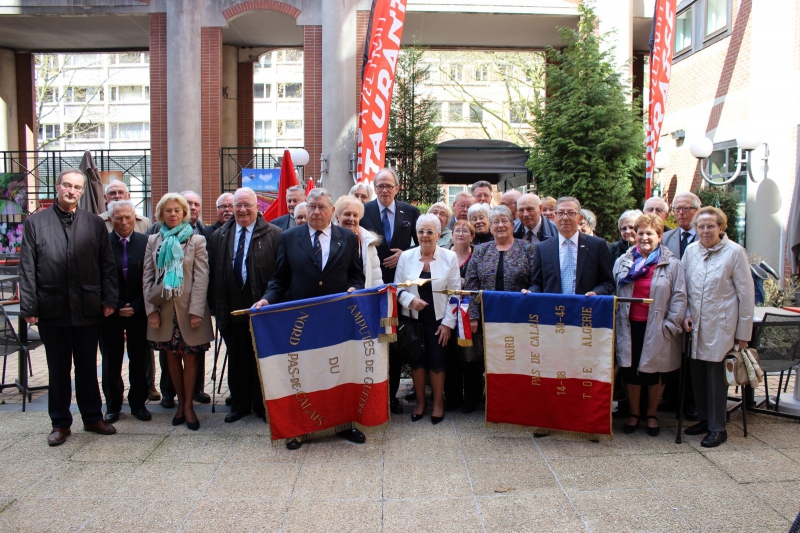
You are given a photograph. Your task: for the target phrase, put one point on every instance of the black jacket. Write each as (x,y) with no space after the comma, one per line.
(130,290)
(284,222)
(297,276)
(404,235)
(261,262)
(66,282)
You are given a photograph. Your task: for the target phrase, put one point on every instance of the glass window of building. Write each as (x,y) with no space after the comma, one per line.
(130,131)
(716,16)
(683,31)
(263,131)
(475,113)
(262,90)
(455,112)
(290,90)
(457,71)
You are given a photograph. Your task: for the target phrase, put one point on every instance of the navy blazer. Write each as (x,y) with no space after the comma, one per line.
(593,273)
(547,230)
(130,290)
(284,222)
(297,273)
(405,231)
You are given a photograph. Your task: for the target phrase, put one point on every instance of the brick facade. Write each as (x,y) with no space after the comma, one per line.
(312,98)
(211,117)
(244,121)
(253,5)
(26,101)
(158,107)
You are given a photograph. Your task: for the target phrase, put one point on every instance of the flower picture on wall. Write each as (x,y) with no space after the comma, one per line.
(10,237)
(13,194)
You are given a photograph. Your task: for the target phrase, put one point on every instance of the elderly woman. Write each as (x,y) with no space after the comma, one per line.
(627,234)
(589,222)
(175,284)
(300,211)
(444,213)
(478,216)
(362,192)
(648,336)
(349,211)
(720,315)
(429,261)
(504,264)
(549,208)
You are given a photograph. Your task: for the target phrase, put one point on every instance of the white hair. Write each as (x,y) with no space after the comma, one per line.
(120,203)
(114,183)
(696,203)
(433,219)
(474,208)
(319,192)
(297,208)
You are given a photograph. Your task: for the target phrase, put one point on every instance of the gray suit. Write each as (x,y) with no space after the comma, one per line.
(672,240)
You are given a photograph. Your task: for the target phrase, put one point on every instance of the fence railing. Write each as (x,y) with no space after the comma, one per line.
(234,159)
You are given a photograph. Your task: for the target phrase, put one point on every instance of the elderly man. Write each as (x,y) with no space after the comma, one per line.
(396,222)
(300,214)
(534,227)
(684,205)
(68,284)
(294,196)
(482,191)
(242,255)
(224,211)
(509,199)
(657,206)
(128,321)
(574,263)
(114,192)
(316,259)
(461,204)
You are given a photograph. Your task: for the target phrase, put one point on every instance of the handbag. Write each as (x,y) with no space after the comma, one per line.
(410,339)
(474,353)
(743,368)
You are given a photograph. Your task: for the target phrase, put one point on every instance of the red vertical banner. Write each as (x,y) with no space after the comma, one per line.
(388,19)
(662,39)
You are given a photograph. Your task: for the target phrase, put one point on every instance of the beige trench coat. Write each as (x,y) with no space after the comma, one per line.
(193,301)
(662,338)
(721,297)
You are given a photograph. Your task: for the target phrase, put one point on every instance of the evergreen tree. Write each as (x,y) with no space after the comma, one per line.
(412,136)
(588,137)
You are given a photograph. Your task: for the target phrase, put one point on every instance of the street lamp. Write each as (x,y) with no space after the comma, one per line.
(746,143)
(300,159)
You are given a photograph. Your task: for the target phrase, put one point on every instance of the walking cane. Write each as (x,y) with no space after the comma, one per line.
(214,371)
(682,384)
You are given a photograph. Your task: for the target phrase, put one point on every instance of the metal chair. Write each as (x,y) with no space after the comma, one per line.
(10,343)
(778,345)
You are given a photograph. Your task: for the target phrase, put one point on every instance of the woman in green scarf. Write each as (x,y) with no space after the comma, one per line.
(175,286)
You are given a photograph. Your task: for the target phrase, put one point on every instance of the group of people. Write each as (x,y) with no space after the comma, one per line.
(86,279)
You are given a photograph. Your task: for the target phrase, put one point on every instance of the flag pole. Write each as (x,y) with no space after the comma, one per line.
(474,293)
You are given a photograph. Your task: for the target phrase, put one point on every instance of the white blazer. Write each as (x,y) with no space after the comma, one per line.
(444,272)
(369,258)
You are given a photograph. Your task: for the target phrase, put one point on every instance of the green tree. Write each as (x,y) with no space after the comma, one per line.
(411,140)
(588,136)
(725,198)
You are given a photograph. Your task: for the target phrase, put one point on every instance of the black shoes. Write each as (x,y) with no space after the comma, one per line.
(111,417)
(194,426)
(714,439)
(697,429)
(653,431)
(630,428)
(229,401)
(233,416)
(167,403)
(353,435)
(142,414)
(436,419)
(690,414)
(395,407)
(417,418)
(178,420)
(202,397)
(293,444)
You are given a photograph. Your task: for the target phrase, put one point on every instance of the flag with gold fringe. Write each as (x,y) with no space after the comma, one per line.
(549,361)
(460,306)
(322,364)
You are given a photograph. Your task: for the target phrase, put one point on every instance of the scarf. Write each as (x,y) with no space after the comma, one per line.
(170,258)
(641,265)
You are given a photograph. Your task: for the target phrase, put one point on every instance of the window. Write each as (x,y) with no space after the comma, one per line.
(262,90)
(455,112)
(700,23)
(86,60)
(683,31)
(720,166)
(517,112)
(290,90)
(436,112)
(716,16)
(263,131)
(290,128)
(482,72)
(84,94)
(130,131)
(129,93)
(50,95)
(475,113)
(87,131)
(290,56)
(265,61)
(456,71)
(49,131)
(452,190)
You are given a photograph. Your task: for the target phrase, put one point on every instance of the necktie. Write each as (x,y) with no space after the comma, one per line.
(568,270)
(529,236)
(318,248)
(124,258)
(238,261)
(387,228)
(685,236)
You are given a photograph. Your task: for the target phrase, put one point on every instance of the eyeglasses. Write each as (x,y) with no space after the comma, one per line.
(500,222)
(244,206)
(317,207)
(69,187)
(568,214)
(461,232)
(683,209)
(655,210)
(384,187)
(225,207)
(429,232)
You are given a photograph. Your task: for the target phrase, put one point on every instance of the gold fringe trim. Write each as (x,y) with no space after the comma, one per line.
(387,337)
(388,321)
(505,427)
(465,342)
(571,435)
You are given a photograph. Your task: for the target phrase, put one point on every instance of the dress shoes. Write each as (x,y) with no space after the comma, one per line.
(178,420)
(714,439)
(153,394)
(436,419)
(202,397)
(111,417)
(411,395)
(396,407)
(58,436)
(194,426)
(697,429)
(167,403)
(142,414)
(229,400)
(293,444)
(233,416)
(353,435)
(101,427)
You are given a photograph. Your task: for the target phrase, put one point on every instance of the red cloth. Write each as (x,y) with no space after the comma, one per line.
(310,185)
(641,289)
(288,179)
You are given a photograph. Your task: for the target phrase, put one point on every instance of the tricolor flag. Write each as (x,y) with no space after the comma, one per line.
(549,361)
(460,308)
(321,364)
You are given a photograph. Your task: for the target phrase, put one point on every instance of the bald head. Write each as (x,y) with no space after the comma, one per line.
(657,206)
(245,205)
(509,199)
(529,210)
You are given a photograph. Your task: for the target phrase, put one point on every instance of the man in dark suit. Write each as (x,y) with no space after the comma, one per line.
(533,226)
(242,255)
(316,259)
(556,269)
(397,223)
(685,205)
(294,195)
(128,318)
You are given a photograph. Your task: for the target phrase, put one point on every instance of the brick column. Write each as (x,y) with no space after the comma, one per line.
(211,117)
(26,101)
(244,125)
(312,98)
(159,185)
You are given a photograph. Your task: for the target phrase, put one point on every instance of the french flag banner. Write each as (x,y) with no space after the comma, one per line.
(321,363)
(549,361)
